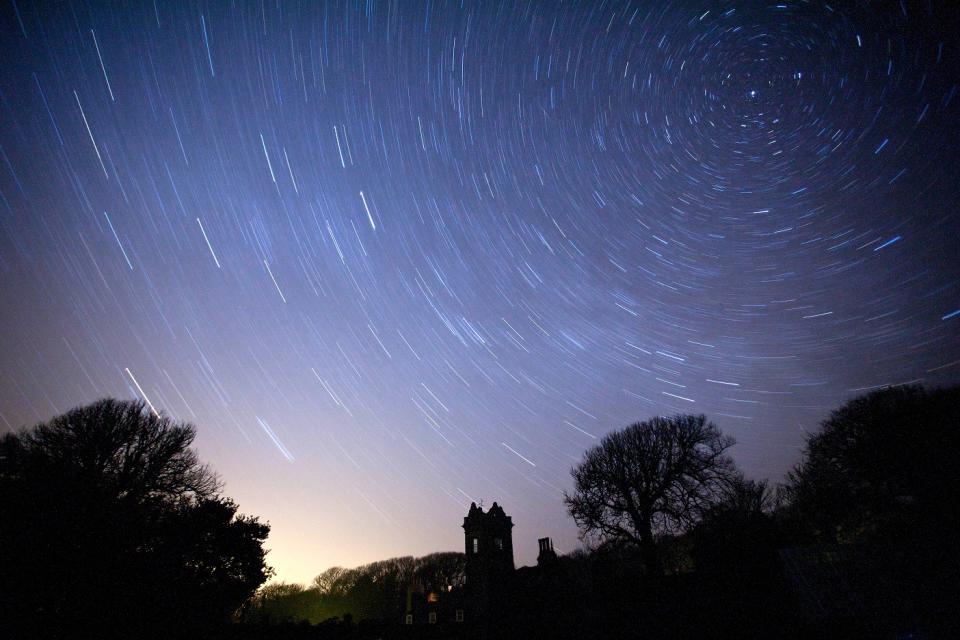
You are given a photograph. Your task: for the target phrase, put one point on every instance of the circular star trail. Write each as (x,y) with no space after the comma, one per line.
(394,257)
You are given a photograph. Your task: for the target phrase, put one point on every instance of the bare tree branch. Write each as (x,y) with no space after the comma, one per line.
(652,478)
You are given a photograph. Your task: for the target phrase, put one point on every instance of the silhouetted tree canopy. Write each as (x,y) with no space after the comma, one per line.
(323,582)
(736,536)
(878,464)
(881,477)
(112,527)
(651,478)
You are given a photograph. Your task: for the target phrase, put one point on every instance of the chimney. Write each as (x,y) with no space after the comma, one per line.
(547,555)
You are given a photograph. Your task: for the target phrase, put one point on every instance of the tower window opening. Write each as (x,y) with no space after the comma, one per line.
(476,545)
(498,543)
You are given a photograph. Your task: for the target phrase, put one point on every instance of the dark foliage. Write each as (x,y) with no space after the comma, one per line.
(858,544)
(734,553)
(111,527)
(881,464)
(737,536)
(882,476)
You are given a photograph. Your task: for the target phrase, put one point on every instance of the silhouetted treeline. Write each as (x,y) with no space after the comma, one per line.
(375,591)
(111,527)
(858,542)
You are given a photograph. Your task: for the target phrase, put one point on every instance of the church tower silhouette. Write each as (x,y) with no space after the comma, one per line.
(488,541)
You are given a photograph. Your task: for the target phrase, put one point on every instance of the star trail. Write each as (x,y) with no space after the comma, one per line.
(394,257)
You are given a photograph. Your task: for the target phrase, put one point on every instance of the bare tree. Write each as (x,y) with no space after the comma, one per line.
(325,581)
(441,570)
(650,478)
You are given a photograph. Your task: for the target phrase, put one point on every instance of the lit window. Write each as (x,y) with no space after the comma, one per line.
(476,545)
(408,619)
(432,618)
(498,543)
(459,615)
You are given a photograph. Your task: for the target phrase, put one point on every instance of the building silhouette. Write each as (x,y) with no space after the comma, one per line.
(547,556)
(488,544)
(491,580)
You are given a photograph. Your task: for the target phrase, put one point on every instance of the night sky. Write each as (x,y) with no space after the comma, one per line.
(394,257)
